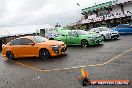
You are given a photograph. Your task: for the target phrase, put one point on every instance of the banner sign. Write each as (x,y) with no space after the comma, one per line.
(108,17)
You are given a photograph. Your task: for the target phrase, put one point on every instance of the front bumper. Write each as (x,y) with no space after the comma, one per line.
(96,41)
(61,50)
(115,36)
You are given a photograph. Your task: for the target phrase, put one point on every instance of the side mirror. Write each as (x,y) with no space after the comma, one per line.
(31,43)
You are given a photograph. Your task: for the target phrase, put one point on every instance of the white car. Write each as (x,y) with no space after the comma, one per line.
(107,33)
(51,35)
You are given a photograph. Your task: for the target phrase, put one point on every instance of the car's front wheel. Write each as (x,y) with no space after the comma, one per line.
(84,43)
(10,55)
(115,38)
(44,54)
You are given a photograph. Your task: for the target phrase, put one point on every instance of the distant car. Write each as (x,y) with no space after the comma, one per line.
(79,37)
(33,46)
(51,35)
(123,29)
(107,33)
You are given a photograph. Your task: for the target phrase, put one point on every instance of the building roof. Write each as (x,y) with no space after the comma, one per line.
(104,5)
(116,2)
(99,6)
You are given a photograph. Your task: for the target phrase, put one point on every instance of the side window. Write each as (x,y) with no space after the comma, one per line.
(26,41)
(72,33)
(11,42)
(16,42)
(96,30)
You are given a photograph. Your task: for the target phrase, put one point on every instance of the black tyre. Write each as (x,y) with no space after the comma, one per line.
(44,54)
(112,38)
(84,43)
(10,55)
(86,82)
(51,39)
(115,38)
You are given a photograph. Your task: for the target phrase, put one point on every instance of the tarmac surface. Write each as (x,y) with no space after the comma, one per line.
(110,60)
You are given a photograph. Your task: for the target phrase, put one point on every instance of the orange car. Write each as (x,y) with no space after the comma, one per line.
(33,46)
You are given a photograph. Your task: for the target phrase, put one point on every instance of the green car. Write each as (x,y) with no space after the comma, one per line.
(79,37)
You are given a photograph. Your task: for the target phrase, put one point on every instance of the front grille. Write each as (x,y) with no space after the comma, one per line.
(98,41)
(108,34)
(56,49)
(98,37)
(64,49)
(114,33)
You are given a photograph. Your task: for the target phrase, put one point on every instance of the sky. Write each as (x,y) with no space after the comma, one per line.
(39,12)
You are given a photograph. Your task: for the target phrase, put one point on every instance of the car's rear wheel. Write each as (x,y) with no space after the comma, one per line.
(84,43)
(10,55)
(44,54)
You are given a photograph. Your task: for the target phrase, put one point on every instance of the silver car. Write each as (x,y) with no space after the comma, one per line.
(107,33)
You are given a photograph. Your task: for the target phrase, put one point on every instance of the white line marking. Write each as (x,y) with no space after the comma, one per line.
(48,70)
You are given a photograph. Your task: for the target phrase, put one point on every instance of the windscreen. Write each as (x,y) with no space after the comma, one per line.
(81,32)
(104,29)
(39,39)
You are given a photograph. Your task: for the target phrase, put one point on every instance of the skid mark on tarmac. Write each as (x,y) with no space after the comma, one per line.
(94,65)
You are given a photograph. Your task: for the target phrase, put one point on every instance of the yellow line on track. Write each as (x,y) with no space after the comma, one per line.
(94,65)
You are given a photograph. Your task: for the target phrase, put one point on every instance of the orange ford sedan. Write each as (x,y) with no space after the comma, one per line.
(33,46)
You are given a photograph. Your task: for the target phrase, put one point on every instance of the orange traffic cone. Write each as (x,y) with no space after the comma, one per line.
(84,80)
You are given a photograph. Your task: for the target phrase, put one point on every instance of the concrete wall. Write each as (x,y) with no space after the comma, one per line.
(119,1)
(128,7)
(116,9)
(102,11)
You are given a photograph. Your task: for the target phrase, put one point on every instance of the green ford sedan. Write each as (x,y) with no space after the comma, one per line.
(79,37)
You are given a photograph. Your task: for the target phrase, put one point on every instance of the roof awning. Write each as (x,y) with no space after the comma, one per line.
(100,6)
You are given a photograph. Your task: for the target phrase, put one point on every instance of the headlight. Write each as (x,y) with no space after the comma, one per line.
(91,38)
(55,46)
(108,34)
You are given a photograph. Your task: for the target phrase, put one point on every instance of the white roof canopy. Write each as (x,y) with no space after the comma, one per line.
(19,30)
